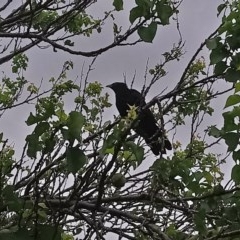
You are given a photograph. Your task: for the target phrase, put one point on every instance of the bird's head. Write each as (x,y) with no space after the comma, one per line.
(118,86)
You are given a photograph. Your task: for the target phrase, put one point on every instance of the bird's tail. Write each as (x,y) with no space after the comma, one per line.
(159,145)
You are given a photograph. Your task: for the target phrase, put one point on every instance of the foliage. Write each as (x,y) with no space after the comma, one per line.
(78,173)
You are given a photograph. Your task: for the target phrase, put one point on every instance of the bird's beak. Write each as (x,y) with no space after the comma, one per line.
(109,86)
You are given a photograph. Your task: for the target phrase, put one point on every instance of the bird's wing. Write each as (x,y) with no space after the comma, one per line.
(137,98)
(147,125)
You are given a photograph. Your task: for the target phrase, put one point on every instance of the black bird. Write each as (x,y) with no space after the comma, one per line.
(146,127)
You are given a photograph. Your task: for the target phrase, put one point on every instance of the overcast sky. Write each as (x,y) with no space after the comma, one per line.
(197,21)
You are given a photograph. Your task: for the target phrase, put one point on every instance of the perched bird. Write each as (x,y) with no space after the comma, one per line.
(146,127)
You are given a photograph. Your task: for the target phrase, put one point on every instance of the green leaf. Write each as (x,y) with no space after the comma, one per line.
(220,8)
(232,100)
(49,145)
(232,140)
(142,10)
(14,69)
(109,144)
(138,151)
(212,43)
(217,55)
(220,68)
(144,3)
(236,174)
(43,205)
(232,75)
(148,33)
(46,232)
(237,87)
(21,234)
(49,108)
(41,128)
(236,155)
(118,4)
(11,199)
(108,151)
(75,159)
(33,145)
(49,111)
(164,12)
(42,214)
(135,13)
(31,119)
(214,131)
(193,186)
(233,42)
(235,63)
(229,123)
(74,123)
(199,220)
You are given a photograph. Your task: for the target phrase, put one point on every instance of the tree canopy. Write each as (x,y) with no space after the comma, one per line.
(79,174)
